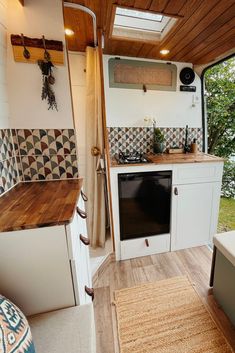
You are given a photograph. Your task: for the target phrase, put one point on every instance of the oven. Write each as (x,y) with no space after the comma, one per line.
(144,204)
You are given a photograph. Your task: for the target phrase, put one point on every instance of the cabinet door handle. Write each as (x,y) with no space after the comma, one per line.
(176,191)
(84,240)
(147,242)
(81,213)
(84,197)
(90,292)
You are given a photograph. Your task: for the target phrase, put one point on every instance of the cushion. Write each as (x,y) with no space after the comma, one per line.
(15,334)
(225,243)
(70,330)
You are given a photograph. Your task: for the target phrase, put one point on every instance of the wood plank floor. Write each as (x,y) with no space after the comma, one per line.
(194,262)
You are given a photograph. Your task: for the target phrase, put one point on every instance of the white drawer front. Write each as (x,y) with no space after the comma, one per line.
(197,173)
(137,247)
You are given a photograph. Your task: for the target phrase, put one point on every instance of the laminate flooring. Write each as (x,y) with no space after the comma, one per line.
(193,262)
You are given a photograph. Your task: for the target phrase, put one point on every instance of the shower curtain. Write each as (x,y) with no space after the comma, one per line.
(94,181)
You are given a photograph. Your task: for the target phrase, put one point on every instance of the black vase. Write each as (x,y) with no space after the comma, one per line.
(158,147)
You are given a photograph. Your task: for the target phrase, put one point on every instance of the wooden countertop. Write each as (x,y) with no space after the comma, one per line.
(39,204)
(177,158)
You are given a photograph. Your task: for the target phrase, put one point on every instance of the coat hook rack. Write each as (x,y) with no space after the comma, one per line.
(30,50)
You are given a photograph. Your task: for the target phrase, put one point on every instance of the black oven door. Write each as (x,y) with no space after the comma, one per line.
(144,204)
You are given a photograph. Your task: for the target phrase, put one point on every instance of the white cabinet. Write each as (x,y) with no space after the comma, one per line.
(194,214)
(194,211)
(45,269)
(34,269)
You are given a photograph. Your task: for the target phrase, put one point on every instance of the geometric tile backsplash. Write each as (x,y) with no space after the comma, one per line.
(36,154)
(46,154)
(131,139)
(8,164)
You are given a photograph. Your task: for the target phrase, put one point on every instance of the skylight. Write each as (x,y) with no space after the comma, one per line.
(138,14)
(141,25)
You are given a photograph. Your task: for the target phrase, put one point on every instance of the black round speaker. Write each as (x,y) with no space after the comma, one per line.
(187,75)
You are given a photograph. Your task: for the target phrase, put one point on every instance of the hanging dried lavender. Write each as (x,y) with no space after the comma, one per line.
(47,81)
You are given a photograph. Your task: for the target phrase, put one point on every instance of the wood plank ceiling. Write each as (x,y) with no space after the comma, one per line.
(205,31)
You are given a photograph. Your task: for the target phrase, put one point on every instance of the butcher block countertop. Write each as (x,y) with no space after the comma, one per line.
(176,158)
(39,204)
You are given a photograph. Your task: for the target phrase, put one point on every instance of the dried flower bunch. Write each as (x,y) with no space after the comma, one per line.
(48,80)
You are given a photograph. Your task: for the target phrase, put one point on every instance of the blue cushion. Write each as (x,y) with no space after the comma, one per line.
(15,334)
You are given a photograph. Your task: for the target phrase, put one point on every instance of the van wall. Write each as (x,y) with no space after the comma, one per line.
(27,110)
(41,143)
(4,115)
(172,110)
(129,107)
(8,164)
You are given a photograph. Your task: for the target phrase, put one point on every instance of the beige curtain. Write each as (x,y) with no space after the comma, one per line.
(94,180)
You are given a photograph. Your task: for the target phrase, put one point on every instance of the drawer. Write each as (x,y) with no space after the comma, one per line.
(138,247)
(197,173)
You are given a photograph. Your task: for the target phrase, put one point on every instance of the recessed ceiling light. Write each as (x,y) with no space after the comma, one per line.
(164,51)
(69,32)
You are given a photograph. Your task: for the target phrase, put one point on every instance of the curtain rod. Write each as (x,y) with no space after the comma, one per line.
(87,10)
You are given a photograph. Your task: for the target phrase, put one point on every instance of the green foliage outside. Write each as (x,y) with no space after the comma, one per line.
(220,98)
(227,215)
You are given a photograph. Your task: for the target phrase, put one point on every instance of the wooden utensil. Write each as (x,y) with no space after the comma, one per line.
(26,53)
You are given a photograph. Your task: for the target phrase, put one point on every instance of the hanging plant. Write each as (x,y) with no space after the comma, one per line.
(48,80)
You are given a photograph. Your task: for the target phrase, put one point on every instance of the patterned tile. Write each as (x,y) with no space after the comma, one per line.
(130,139)
(6,144)
(49,167)
(8,165)
(46,154)
(8,174)
(36,154)
(46,142)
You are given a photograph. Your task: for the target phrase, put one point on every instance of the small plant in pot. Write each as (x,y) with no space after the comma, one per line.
(158,139)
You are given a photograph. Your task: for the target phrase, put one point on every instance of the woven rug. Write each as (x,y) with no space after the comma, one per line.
(166,317)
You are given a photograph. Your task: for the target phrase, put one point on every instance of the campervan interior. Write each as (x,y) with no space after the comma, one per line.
(109,193)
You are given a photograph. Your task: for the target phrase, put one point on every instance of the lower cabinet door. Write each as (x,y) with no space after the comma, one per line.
(194,214)
(35,270)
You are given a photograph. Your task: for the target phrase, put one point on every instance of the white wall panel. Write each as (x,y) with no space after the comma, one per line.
(129,107)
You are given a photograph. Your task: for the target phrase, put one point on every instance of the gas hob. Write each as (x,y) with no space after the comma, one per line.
(131,158)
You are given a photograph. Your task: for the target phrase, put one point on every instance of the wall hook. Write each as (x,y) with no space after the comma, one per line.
(26,53)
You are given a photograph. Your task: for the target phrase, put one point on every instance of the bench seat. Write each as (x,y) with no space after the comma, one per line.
(224,272)
(70,330)
(225,243)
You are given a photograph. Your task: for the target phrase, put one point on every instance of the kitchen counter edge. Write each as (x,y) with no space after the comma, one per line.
(45,204)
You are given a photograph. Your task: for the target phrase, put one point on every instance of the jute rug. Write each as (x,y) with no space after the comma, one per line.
(166,317)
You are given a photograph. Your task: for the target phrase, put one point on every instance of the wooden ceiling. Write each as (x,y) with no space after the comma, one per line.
(204,32)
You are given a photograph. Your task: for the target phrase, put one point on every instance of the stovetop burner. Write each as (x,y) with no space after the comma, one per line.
(131,158)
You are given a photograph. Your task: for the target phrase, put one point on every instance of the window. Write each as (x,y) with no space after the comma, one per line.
(134,74)
(142,25)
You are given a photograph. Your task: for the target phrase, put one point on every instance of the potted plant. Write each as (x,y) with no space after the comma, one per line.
(158,139)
